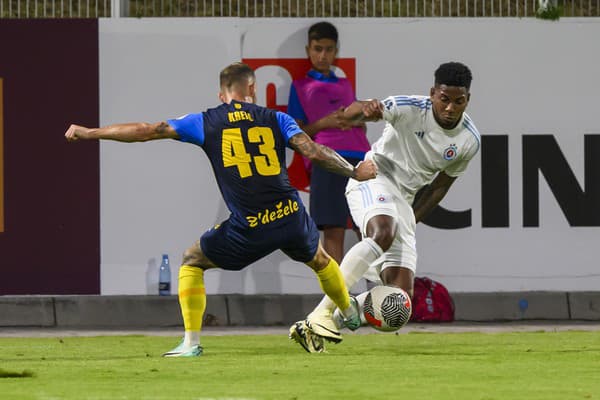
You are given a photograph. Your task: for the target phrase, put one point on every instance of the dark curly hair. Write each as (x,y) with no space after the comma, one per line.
(453,74)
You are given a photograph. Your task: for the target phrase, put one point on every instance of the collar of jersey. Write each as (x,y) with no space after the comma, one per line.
(320,77)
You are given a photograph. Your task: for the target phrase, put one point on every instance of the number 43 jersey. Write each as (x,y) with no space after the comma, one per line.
(245,144)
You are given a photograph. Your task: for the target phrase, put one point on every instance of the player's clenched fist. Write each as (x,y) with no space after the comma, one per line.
(372,109)
(76,132)
(365,170)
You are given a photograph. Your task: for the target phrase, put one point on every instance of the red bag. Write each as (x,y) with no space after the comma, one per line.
(431,302)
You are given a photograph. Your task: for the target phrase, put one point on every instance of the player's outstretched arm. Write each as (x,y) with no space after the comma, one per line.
(335,120)
(331,161)
(129,132)
(364,110)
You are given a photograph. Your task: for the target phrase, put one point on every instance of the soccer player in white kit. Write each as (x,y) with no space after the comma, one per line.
(427,143)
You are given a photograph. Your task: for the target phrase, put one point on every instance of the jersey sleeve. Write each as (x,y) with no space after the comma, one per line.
(190,128)
(391,111)
(294,108)
(395,107)
(288,126)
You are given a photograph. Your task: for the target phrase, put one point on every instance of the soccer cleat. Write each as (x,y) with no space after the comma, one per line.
(181,351)
(300,333)
(321,323)
(353,322)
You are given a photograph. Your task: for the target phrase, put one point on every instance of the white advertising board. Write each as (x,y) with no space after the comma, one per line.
(525,216)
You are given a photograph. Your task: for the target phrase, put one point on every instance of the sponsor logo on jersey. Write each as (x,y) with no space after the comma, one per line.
(450,152)
(420,134)
(271,215)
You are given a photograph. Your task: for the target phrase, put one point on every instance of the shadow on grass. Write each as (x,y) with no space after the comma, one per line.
(81,358)
(12,374)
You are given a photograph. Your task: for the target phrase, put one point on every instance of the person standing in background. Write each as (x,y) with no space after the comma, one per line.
(317,102)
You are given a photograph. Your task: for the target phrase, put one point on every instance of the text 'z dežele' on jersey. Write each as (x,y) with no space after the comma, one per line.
(245,144)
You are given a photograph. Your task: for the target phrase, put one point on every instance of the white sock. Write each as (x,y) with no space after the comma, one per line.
(191,338)
(338,318)
(354,265)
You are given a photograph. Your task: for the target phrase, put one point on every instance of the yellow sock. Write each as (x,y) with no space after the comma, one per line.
(192,297)
(332,283)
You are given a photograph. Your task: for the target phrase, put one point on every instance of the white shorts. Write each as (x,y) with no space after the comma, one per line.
(380,197)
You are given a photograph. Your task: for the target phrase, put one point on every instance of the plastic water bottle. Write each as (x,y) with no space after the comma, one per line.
(523,306)
(164,277)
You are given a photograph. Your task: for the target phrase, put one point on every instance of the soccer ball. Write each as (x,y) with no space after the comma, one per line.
(387,308)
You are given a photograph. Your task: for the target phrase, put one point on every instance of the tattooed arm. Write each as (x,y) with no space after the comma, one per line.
(129,132)
(329,160)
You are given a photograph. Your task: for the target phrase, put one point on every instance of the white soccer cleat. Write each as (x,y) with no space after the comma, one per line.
(301,334)
(321,323)
(183,351)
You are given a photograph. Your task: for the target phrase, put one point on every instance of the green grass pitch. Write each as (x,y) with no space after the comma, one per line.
(525,365)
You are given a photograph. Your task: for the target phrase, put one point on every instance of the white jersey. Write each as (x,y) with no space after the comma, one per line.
(414,147)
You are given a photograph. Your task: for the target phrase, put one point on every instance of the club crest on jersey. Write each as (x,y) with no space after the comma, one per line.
(382,198)
(450,152)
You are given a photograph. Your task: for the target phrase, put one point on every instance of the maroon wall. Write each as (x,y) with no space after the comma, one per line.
(51,238)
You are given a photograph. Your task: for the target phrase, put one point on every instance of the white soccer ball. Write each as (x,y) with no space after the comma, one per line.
(387,308)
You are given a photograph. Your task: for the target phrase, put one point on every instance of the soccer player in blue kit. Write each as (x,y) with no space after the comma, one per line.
(245,145)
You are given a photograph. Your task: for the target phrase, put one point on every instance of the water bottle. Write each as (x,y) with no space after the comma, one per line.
(164,277)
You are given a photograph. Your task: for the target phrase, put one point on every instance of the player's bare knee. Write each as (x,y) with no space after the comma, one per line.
(382,229)
(193,255)
(189,258)
(384,240)
(383,236)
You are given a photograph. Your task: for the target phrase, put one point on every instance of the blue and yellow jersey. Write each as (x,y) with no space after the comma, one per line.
(245,144)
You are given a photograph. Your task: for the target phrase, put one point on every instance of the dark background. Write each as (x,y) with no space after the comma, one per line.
(51,238)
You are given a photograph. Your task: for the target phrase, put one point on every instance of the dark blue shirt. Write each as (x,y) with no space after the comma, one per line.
(245,144)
